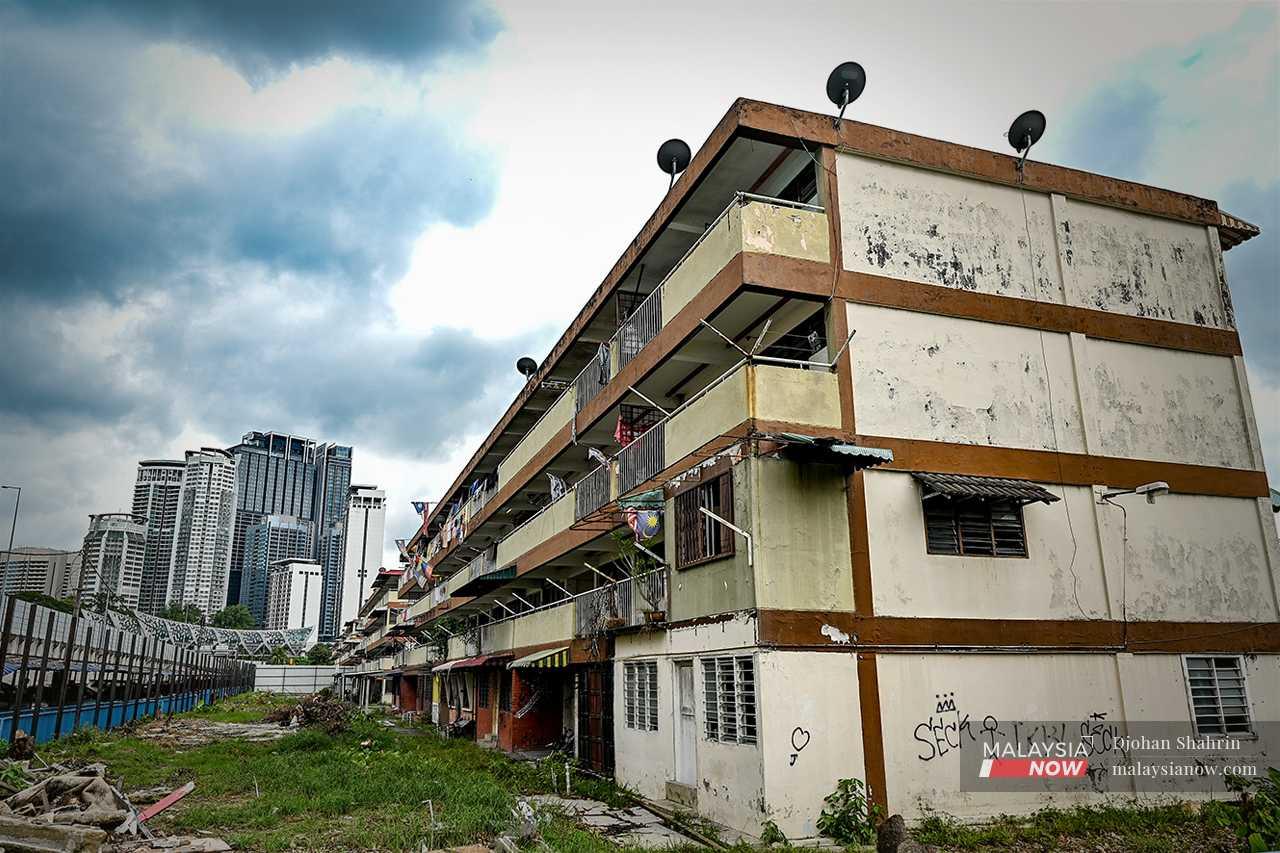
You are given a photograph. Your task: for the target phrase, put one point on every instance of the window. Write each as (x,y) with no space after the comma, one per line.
(729,699)
(1219,703)
(973,527)
(700,538)
(482,690)
(640,695)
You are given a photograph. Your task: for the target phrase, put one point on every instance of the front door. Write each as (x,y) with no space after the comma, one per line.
(686,725)
(595,717)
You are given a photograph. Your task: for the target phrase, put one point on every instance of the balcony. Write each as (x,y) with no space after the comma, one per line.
(481,575)
(551,422)
(550,624)
(643,458)
(592,492)
(550,520)
(622,605)
(763,392)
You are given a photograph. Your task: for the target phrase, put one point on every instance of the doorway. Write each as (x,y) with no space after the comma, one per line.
(686,725)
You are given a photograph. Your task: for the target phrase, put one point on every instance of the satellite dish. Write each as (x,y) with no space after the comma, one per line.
(844,85)
(673,158)
(1026,131)
(527,366)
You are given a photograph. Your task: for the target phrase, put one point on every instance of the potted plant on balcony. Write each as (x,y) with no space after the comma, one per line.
(648,582)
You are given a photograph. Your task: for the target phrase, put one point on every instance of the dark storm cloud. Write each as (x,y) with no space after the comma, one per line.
(89,209)
(262,39)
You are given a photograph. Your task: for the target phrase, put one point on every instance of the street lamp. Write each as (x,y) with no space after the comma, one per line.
(8,557)
(1150,490)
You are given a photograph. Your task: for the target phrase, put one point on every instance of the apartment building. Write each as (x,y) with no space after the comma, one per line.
(274,538)
(202,542)
(853,469)
(368,650)
(112,559)
(293,596)
(363,531)
(156,493)
(32,569)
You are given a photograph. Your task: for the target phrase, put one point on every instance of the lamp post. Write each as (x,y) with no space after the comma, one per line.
(8,557)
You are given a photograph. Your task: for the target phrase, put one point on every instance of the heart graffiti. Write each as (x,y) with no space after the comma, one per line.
(799,739)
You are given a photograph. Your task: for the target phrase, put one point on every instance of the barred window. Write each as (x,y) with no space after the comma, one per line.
(975,528)
(482,690)
(1219,703)
(700,538)
(729,699)
(640,695)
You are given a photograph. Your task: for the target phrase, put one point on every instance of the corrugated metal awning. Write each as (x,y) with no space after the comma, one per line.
(986,488)
(808,448)
(545,659)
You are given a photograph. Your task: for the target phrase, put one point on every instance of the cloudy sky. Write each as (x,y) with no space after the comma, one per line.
(348,220)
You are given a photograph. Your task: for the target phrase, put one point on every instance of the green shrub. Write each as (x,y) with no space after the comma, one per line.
(770,834)
(848,816)
(1256,821)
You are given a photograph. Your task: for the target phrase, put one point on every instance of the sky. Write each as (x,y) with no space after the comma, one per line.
(347,221)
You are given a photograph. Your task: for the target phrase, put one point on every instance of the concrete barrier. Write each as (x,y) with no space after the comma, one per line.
(298,680)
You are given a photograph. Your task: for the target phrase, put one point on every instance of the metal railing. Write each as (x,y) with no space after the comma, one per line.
(643,458)
(592,379)
(641,327)
(591,492)
(483,563)
(622,604)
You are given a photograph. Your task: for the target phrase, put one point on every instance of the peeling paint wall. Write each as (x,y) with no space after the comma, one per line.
(921,729)
(909,223)
(1187,558)
(1060,578)
(947,379)
(719,586)
(941,229)
(1167,405)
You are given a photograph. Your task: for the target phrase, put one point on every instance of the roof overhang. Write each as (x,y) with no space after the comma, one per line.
(964,486)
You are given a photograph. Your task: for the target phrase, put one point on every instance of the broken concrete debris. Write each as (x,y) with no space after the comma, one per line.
(319,710)
(64,809)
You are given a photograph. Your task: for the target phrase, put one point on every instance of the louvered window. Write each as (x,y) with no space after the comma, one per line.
(1219,703)
(729,699)
(973,527)
(700,538)
(640,695)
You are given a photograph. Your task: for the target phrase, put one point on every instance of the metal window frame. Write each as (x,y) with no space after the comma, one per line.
(1244,684)
(734,663)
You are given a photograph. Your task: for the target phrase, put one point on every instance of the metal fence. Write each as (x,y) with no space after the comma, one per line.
(594,377)
(641,327)
(591,492)
(59,672)
(642,459)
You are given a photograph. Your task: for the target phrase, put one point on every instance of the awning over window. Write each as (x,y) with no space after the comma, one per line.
(983,488)
(545,659)
(468,663)
(808,448)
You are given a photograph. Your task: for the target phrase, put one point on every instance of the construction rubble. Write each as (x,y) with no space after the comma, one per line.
(319,710)
(55,807)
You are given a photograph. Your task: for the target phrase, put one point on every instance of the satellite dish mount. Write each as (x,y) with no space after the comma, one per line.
(1025,131)
(844,84)
(527,366)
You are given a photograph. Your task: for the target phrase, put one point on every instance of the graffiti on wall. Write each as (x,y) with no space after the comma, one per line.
(799,740)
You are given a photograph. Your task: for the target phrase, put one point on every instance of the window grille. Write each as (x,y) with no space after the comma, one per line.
(729,699)
(1219,702)
(640,695)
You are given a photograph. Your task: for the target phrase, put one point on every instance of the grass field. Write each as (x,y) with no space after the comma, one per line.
(367,789)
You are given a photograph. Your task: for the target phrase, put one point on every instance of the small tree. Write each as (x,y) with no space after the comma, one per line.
(320,654)
(279,656)
(236,616)
(183,613)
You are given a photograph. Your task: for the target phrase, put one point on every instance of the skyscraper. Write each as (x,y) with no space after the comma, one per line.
(112,557)
(333,478)
(366,518)
(155,498)
(274,538)
(206,521)
(275,475)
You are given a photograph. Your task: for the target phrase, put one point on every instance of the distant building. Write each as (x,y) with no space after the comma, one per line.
(155,498)
(112,557)
(288,475)
(206,519)
(29,569)
(275,538)
(365,523)
(293,596)
(333,479)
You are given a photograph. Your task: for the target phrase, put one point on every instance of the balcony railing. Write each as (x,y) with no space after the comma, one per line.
(623,604)
(593,378)
(591,492)
(642,459)
(641,327)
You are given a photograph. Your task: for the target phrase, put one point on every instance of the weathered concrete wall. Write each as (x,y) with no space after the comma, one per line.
(947,379)
(947,230)
(1059,579)
(718,586)
(941,229)
(1188,558)
(555,518)
(1152,403)
(810,733)
(537,437)
(719,410)
(798,396)
(800,523)
(920,737)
